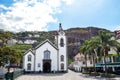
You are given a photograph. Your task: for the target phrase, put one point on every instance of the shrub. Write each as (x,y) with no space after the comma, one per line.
(108,75)
(94,74)
(85,72)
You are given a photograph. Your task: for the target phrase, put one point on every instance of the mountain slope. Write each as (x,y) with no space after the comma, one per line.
(75,37)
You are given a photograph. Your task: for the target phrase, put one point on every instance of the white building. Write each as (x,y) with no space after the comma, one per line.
(29,41)
(79,62)
(30,35)
(12,42)
(48,57)
(36,35)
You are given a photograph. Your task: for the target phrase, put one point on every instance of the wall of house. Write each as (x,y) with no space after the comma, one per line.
(112,51)
(77,65)
(29,41)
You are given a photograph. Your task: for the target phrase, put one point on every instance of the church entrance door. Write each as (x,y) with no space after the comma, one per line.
(46,66)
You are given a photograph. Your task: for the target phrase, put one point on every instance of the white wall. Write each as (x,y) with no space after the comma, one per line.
(112,51)
(62,51)
(29,41)
(40,56)
(26,61)
(77,65)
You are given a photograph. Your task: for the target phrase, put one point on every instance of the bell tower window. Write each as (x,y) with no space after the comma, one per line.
(61,42)
(62,58)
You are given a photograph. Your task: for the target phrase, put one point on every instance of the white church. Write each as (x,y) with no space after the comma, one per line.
(48,57)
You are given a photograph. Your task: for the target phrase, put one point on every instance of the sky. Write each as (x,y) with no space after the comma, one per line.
(45,15)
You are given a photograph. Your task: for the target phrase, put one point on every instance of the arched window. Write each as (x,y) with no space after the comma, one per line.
(28,66)
(61,42)
(62,58)
(62,66)
(46,54)
(29,57)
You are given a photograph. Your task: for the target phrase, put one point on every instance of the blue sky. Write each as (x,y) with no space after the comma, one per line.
(44,15)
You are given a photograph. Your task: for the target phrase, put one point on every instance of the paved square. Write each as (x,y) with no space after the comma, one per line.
(64,76)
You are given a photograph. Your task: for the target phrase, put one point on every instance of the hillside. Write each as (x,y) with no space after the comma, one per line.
(75,37)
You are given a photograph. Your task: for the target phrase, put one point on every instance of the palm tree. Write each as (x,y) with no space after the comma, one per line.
(84,50)
(93,44)
(105,43)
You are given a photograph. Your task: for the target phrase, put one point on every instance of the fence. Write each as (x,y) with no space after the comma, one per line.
(2,72)
(17,73)
(6,75)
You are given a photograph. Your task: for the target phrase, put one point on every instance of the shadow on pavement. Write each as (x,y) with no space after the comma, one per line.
(46,74)
(98,77)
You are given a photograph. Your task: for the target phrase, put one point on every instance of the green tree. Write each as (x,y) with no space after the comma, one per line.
(8,54)
(84,50)
(16,57)
(1,57)
(105,43)
(4,37)
(70,60)
(92,46)
(102,43)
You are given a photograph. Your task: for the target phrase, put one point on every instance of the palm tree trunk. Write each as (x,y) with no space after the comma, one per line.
(86,62)
(105,62)
(94,63)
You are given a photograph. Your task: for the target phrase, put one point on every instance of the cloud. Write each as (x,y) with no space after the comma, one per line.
(30,15)
(117,28)
(68,2)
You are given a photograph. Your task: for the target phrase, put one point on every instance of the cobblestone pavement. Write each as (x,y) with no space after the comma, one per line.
(61,76)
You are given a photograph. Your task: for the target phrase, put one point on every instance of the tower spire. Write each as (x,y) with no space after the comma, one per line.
(60,27)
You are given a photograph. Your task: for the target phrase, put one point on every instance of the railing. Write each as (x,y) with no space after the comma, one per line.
(17,72)
(2,72)
(11,75)
(117,59)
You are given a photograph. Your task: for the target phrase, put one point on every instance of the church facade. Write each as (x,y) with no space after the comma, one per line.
(48,57)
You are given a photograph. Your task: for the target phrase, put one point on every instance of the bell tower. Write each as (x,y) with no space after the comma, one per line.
(62,46)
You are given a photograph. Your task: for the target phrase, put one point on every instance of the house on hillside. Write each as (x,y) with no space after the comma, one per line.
(30,35)
(46,56)
(79,62)
(12,42)
(36,35)
(29,41)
